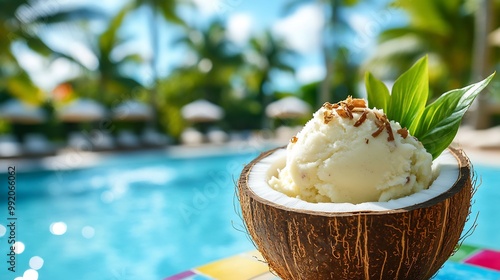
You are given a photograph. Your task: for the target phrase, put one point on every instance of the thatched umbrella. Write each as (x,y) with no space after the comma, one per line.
(202,111)
(82,110)
(132,111)
(16,111)
(288,108)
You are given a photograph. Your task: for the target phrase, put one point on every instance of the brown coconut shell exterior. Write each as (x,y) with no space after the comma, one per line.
(410,243)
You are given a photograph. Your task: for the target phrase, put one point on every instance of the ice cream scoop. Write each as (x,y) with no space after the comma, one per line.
(350,153)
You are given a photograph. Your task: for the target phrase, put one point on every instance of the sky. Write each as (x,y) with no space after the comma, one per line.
(300,28)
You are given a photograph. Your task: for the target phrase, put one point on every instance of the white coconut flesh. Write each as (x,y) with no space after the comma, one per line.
(445,171)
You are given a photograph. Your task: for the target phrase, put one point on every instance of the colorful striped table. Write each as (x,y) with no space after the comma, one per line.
(469,262)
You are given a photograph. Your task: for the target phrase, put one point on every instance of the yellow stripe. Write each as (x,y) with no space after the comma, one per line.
(243,266)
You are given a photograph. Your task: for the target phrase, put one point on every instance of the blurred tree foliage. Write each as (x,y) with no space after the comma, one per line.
(442,29)
(334,27)
(207,74)
(20,22)
(108,83)
(165,10)
(176,90)
(113,83)
(240,79)
(344,83)
(215,60)
(267,53)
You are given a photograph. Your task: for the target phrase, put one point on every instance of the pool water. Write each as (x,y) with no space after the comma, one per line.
(150,215)
(485,209)
(138,216)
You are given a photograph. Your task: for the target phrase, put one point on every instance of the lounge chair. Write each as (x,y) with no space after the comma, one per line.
(191,136)
(9,146)
(127,139)
(102,140)
(152,137)
(80,142)
(37,144)
(217,136)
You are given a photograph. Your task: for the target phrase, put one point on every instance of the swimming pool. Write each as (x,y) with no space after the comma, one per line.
(486,208)
(150,215)
(135,216)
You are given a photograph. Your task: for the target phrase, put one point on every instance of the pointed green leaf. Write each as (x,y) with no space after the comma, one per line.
(409,96)
(438,110)
(441,119)
(434,125)
(377,93)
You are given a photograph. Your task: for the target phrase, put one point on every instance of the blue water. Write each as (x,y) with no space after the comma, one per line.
(140,216)
(151,215)
(485,209)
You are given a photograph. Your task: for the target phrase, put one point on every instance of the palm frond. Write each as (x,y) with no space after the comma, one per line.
(65,14)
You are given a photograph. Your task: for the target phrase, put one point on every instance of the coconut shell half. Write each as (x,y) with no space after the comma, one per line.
(405,243)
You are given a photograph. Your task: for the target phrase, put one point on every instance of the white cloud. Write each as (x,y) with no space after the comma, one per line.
(44,73)
(358,22)
(71,41)
(302,29)
(309,74)
(239,28)
(366,31)
(59,70)
(217,7)
(81,53)
(208,7)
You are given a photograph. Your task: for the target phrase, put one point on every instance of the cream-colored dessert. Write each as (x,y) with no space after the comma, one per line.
(350,153)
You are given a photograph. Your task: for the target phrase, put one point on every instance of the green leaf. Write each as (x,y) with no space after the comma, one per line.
(409,96)
(431,15)
(441,119)
(378,94)
(435,125)
(438,110)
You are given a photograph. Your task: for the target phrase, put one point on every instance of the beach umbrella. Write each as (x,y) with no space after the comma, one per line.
(132,111)
(82,110)
(16,111)
(202,111)
(288,108)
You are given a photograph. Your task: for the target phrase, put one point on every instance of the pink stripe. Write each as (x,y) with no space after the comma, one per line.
(181,275)
(485,258)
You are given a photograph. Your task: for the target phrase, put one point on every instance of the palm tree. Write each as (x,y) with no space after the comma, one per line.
(344,83)
(111,79)
(482,63)
(216,60)
(107,83)
(208,73)
(267,53)
(166,9)
(19,23)
(442,29)
(334,25)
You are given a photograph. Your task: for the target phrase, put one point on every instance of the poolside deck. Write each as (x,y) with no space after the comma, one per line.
(481,146)
(468,262)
